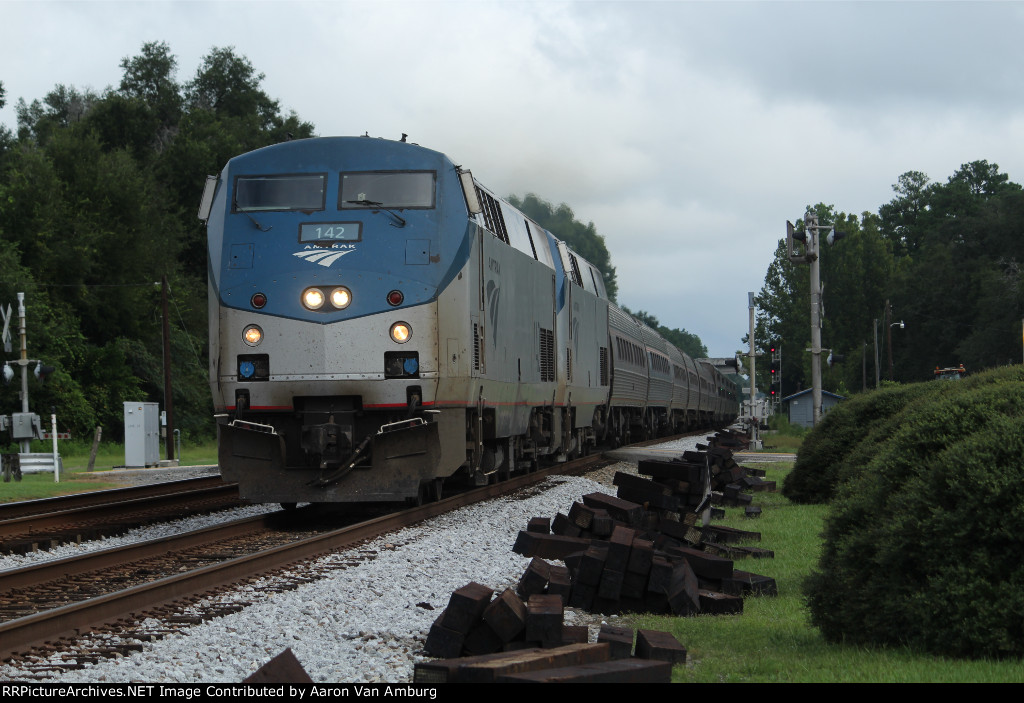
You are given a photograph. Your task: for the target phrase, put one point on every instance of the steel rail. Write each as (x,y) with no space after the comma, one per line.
(40,523)
(44,572)
(23,633)
(9,511)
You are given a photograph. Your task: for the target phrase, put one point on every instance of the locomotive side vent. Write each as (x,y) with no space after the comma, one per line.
(478,350)
(547,355)
(604,366)
(493,217)
(575,273)
(568,364)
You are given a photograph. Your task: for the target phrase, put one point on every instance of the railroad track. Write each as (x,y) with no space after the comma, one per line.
(197,570)
(42,524)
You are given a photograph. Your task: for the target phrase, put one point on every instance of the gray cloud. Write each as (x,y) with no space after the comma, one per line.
(688,132)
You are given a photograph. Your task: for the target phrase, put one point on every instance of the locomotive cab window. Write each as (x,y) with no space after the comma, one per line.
(303,192)
(388,189)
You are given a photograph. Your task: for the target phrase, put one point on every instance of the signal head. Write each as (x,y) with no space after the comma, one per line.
(834,236)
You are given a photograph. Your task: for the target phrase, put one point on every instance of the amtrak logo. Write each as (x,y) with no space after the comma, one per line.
(324,257)
(493,298)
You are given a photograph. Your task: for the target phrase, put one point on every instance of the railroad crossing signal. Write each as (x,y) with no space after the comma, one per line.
(6,314)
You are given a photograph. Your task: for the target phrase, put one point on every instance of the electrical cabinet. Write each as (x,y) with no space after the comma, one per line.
(141,434)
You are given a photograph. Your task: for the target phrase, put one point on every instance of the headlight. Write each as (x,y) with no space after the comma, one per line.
(252,335)
(313,298)
(340,298)
(401,332)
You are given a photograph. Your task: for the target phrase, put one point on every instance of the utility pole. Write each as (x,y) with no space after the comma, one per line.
(25,443)
(874,329)
(811,223)
(168,402)
(810,239)
(888,333)
(755,443)
(863,366)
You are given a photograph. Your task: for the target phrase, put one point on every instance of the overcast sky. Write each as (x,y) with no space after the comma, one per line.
(687,132)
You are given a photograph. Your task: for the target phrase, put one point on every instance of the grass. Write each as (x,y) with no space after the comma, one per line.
(773,442)
(773,640)
(75,478)
(782,436)
(35,486)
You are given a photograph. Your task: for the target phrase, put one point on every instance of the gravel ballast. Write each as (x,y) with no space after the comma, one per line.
(365,621)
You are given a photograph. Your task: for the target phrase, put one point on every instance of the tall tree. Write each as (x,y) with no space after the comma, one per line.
(98,201)
(948,258)
(962,288)
(901,217)
(150,78)
(62,107)
(6,137)
(228,85)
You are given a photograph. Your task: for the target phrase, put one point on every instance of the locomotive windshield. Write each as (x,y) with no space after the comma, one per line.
(387,189)
(297,192)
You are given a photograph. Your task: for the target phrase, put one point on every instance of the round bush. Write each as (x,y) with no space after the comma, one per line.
(824,454)
(923,545)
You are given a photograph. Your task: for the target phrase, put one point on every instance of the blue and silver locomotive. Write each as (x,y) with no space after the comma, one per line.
(380,321)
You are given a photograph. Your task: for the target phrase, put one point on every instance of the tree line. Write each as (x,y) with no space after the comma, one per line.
(943,258)
(98,202)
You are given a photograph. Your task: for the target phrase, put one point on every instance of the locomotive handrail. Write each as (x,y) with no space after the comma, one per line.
(255,426)
(402,425)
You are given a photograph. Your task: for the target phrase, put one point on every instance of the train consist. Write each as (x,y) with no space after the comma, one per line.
(380,321)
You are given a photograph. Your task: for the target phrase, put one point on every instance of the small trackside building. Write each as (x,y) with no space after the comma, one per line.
(800,406)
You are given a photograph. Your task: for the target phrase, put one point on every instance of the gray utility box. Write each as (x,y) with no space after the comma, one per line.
(141,434)
(25,426)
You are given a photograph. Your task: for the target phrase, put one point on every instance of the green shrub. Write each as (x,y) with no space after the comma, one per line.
(832,449)
(923,543)
(781,424)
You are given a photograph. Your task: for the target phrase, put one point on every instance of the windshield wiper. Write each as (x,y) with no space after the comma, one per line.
(380,206)
(261,228)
